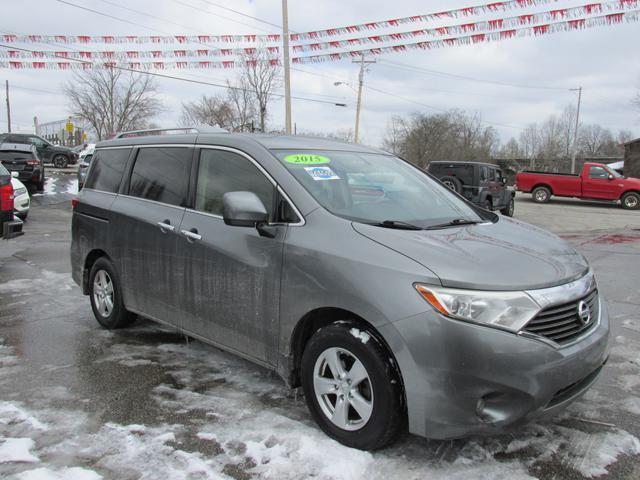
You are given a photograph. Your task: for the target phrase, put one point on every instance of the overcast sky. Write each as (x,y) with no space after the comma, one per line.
(604,60)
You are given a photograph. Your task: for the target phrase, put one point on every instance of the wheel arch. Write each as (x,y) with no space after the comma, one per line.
(632,190)
(312,321)
(545,185)
(89,260)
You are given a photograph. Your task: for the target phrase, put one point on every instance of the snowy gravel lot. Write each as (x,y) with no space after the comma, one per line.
(79,402)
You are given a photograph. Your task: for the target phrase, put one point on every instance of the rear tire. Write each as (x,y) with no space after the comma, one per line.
(631,201)
(60,161)
(510,208)
(452,182)
(367,409)
(106,296)
(541,194)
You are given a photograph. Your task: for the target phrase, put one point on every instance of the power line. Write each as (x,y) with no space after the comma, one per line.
(241,13)
(464,77)
(208,12)
(109,16)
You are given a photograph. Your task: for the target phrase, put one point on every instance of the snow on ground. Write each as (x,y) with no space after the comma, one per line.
(50,186)
(72,187)
(248,424)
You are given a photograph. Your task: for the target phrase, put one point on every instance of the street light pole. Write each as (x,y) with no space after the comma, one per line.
(8,107)
(287,73)
(362,63)
(575,132)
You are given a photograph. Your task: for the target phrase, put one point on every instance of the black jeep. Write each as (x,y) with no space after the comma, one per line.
(480,183)
(59,156)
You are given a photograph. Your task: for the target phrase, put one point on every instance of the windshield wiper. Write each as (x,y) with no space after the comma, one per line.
(453,223)
(398,225)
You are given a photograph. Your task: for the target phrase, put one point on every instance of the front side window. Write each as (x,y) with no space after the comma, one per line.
(374,188)
(598,172)
(221,171)
(492,174)
(107,169)
(161,174)
(37,141)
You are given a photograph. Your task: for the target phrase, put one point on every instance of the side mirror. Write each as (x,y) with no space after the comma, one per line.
(610,177)
(503,180)
(15,174)
(243,209)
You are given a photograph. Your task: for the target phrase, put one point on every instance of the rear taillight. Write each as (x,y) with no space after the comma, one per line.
(6,198)
(33,163)
(74,203)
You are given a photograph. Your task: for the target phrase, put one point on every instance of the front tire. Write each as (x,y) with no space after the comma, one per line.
(351,387)
(541,194)
(631,201)
(106,296)
(509,209)
(60,161)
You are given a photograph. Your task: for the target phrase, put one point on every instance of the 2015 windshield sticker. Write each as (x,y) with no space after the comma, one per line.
(306,159)
(321,173)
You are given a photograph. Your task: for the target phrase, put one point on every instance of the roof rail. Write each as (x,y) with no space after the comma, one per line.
(177,130)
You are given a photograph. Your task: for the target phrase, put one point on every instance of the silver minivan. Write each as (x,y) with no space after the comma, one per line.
(391,300)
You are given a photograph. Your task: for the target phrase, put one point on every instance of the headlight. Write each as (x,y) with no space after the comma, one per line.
(507,310)
(19,191)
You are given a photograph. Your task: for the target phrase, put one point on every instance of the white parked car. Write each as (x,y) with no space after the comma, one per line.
(21,199)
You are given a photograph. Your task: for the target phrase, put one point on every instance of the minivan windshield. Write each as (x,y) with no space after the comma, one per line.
(377,189)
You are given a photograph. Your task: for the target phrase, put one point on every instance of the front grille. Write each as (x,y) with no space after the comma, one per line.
(561,323)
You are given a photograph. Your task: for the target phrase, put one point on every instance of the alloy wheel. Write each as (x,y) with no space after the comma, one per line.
(103,293)
(343,389)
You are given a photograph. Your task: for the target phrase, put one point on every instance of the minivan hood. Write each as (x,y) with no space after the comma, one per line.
(506,255)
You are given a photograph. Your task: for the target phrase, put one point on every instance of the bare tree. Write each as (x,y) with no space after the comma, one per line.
(262,75)
(112,100)
(209,110)
(594,140)
(447,136)
(396,131)
(567,126)
(530,143)
(241,98)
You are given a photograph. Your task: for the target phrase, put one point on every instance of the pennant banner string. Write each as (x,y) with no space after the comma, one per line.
(491,7)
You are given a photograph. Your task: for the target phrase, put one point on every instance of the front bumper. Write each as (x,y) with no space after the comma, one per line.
(464,379)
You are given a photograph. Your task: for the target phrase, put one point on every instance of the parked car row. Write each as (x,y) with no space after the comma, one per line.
(58,156)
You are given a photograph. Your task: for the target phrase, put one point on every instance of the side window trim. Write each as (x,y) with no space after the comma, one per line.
(262,170)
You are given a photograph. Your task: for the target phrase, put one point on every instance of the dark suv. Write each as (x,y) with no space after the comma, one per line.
(59,156)
(23,158)
(480,183)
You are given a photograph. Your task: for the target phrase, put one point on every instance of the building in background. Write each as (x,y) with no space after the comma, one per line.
(69,132)
(632,158)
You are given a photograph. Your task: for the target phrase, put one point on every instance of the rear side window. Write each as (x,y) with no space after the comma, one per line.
(220,172)
(107,169)
(161,174)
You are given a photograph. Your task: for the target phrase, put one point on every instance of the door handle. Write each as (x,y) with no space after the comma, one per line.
(166,226)
(192,235)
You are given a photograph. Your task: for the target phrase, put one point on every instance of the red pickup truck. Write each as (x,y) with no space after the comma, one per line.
(596,182)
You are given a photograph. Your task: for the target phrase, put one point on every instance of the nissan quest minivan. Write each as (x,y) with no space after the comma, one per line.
(391,300)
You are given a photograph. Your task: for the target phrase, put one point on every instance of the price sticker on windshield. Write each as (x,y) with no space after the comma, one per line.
(321,173)
(306,159)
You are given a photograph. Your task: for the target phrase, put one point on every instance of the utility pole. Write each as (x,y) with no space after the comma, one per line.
(575,133)
(287,73)
(8,107)
(362,63)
